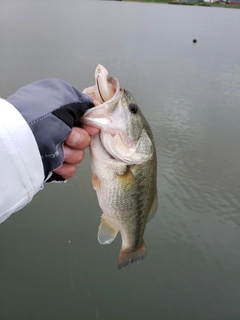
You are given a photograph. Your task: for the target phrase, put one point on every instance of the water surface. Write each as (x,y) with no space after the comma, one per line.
(52,266)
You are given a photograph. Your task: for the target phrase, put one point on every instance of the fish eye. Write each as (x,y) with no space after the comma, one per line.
(133,108)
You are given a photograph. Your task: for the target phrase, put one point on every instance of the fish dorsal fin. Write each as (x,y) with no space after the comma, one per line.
(106,231)
(153,209)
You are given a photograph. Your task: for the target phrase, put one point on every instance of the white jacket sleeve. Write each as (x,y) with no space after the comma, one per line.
(21,168)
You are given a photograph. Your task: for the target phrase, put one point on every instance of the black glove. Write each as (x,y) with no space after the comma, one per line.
(51,107)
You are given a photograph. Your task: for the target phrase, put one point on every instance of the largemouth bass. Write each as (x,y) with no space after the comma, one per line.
(124,166)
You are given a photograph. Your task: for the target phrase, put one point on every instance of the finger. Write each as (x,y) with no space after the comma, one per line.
(78,139)
(67,170)
(72,156)
(92,131)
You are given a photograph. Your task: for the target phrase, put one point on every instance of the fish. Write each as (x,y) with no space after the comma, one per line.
(124,166)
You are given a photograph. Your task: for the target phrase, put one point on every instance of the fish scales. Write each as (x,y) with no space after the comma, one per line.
(124,166)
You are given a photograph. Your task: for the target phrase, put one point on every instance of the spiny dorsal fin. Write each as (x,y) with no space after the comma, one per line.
(106,232)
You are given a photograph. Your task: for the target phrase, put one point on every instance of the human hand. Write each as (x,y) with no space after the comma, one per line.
(73,148)
(52,107)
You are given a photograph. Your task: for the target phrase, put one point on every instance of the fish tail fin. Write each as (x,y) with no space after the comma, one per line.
(129,256)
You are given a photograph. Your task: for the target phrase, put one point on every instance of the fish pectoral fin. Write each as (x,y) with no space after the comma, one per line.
(106,232)
(129,256)
(153,209)
(127,179)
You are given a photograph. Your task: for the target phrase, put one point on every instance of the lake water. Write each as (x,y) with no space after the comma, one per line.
(51,265)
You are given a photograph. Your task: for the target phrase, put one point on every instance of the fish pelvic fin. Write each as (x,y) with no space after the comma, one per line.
(129,256)
(96,182)
(106,231)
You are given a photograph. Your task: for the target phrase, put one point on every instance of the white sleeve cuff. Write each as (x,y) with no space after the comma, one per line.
(21,173)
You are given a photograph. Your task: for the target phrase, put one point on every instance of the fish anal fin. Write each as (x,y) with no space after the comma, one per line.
(129,256)
(153,209)
(106,231)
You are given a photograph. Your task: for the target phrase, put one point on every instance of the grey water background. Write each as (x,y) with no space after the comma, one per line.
(51,265)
